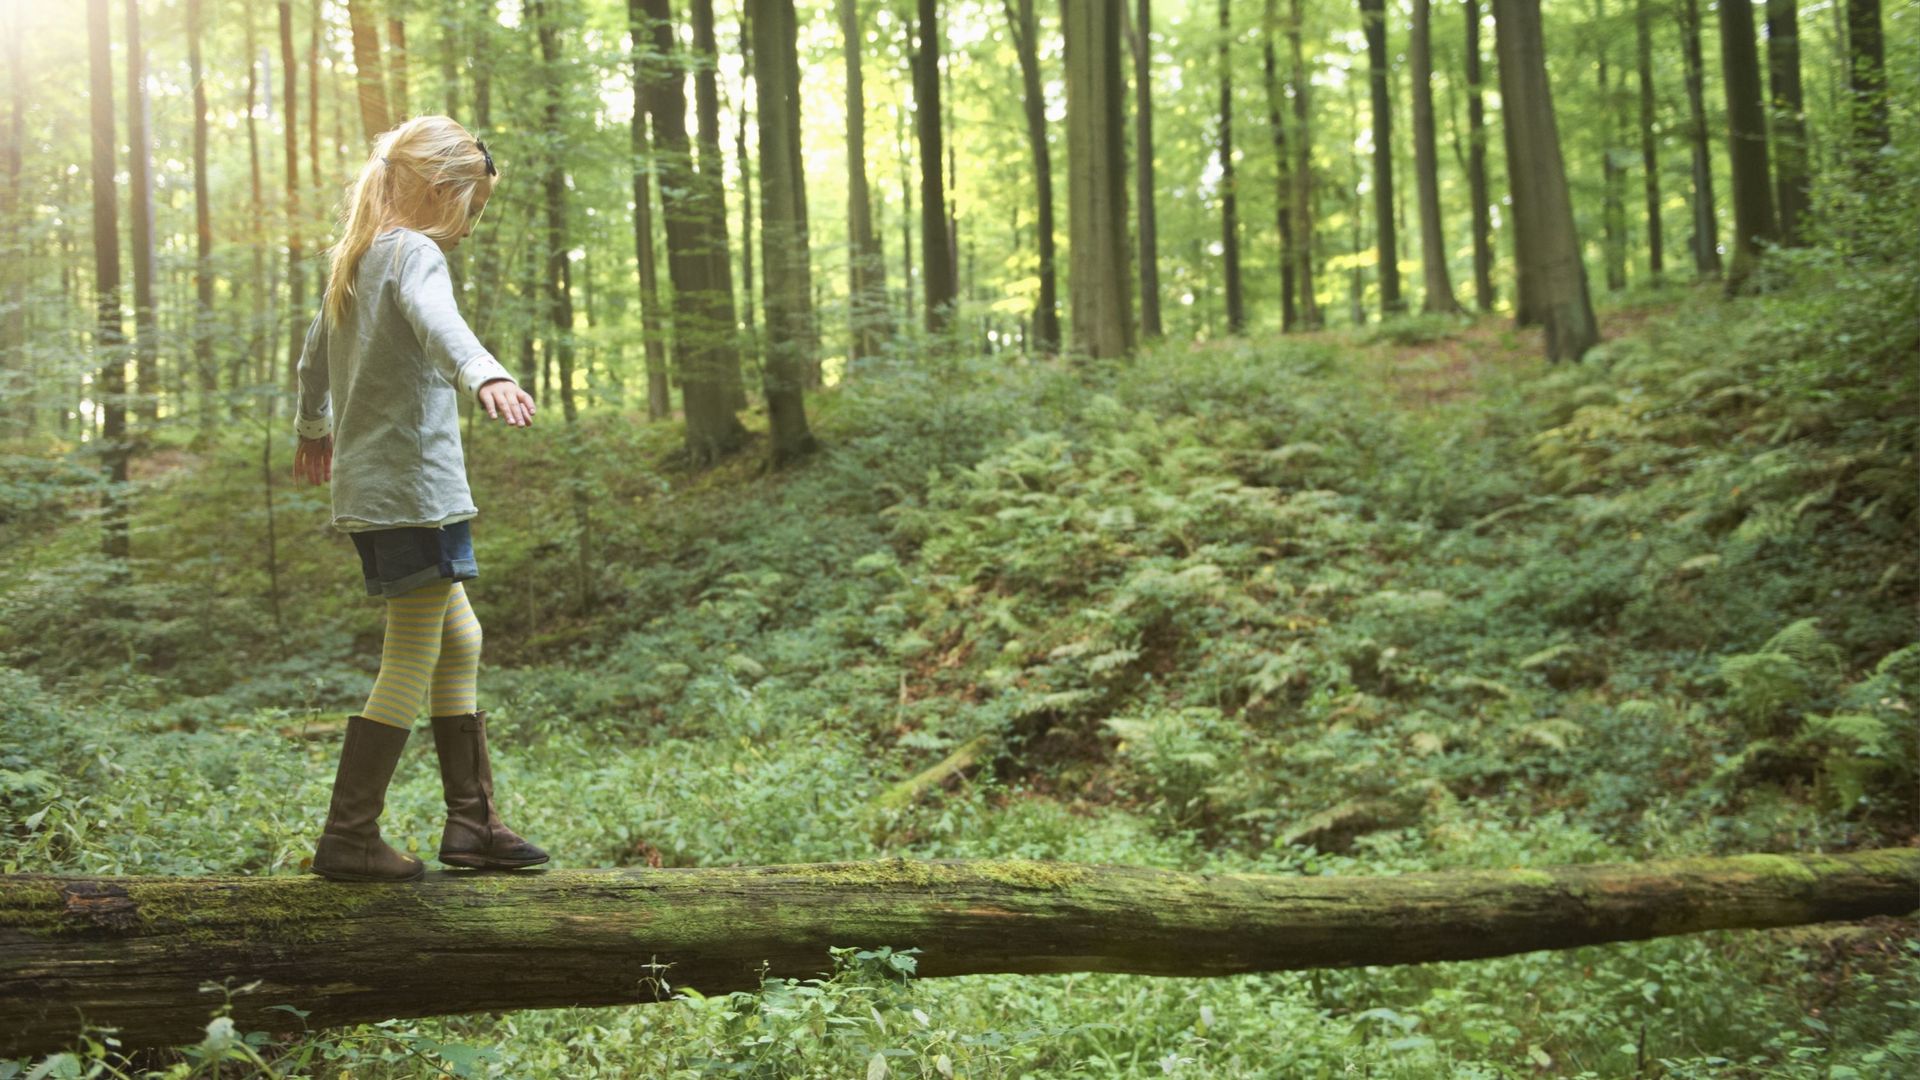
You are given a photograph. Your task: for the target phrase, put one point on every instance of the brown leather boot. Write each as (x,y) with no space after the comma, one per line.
(475,836)
(350,847)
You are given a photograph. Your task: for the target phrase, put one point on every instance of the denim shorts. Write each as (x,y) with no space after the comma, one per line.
(395,561)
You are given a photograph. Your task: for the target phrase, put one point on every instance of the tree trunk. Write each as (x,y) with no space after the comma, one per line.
(140,221)
(296,268)
(1867,77)
(783,230)
(1477,166)
(132,952)
(1753,220)
(1282,166)
(1143,172)
(110,389)
(936,253)
(1229,197)
(711,172)
(744,162)
(1438,295)
(1649,161)
(1046,312)
(13,344)
(1613,214)
(1301,194)
(659,395)
(368,75)
(554,184)
(316,19)
(906,214)
(397,46)
(1789,117)
(1373,14)
(257,289)
(1706,227)
(866,268)
(1551,280)
(703,326)
(1096,181)
(202,228)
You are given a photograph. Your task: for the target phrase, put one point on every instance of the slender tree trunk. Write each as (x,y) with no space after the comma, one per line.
(702,307)
(936,253)
(1373,14)
(783,230)
(1706,227)
(110,389)
(659,395)
(202,227)
(316,19)
(257,290)
(1046,312)
(140,220)
(1867,77)
(711,171)
(372,81)
(1143,172)
(1096,180)
(397,47)
(1551,277)
(13,346)
(1302,175)
(906,212)
(1438,294)
(1477,166)
(1229,197)
(554,183)
(1283,163)
(866,267)
(1789,117)
(1754,223)
(296,256)
(744,161)
(1649,160)
(1613,212)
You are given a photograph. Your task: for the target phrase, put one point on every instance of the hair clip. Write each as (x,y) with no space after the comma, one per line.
(491,171)
(384,161)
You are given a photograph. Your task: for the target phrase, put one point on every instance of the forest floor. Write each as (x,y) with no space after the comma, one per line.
(1353,602)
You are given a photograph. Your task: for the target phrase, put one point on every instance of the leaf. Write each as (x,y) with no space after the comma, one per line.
(877,1066)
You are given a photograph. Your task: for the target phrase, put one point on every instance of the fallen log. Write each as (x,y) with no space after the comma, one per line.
(131,953)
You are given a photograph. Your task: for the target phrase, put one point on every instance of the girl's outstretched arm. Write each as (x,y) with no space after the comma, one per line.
(425,295)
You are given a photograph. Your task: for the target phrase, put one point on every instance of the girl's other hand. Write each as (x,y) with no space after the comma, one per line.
(313,460)
(506,401)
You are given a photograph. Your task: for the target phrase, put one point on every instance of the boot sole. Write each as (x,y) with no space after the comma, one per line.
(481,862)
(339,876)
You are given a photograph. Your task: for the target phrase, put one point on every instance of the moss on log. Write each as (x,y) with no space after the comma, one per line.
(132,952)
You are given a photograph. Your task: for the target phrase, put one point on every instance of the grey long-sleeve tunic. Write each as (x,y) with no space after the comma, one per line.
(383,383)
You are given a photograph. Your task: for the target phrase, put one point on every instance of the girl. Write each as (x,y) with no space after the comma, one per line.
(379,374)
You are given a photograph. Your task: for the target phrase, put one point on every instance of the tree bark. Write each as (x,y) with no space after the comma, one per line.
(1649,160)
(711,172)
(202,227)
(1143,172)
(257,289)
(140,223)
(1373,15)
(1706,228)
(1229,197)
(1282,165)
(936,252)
(397,46)
(1301,194)
(554,185)
(783,230)
(110,389)
(1754,223)
(13,344)
(659,394)
(703,327)
(368,75)
(866,268)
(132,952)
(1437,297)
(1096,181)
(744,162)
(296,256)
(1477,166)
(1789,117)
(1867,77)
(1613,214)
(1551,280)
(1046,311)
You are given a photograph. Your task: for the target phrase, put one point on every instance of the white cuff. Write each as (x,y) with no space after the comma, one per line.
(481,368)
(313,429)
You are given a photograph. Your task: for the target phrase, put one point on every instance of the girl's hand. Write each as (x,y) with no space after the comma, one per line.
(506,401)
(313,460)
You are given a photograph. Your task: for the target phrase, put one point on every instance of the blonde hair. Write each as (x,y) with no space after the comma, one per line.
(397,186)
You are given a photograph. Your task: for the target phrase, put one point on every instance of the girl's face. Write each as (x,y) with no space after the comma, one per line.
(473,218)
